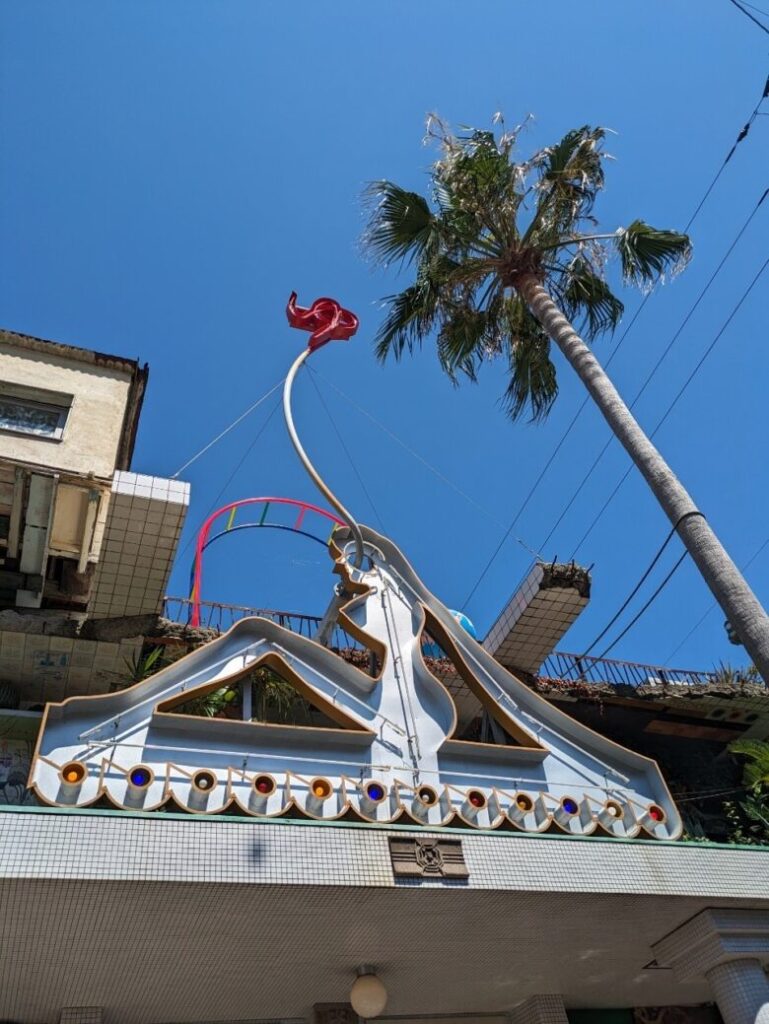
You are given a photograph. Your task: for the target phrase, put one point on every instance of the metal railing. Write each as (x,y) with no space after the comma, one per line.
(573,668)
(559,666)
(221,617)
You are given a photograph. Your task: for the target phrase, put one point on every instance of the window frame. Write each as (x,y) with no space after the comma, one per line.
(32,398)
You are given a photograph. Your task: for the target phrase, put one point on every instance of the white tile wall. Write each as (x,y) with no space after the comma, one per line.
(51,668)
(533,623)
(162,919)
(144,522)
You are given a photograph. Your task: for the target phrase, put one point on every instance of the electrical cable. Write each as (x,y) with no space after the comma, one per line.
(749,15)
(630,596)
(754,7)
(645,607)
(652,373)
(444,479)
(346,450)
(742,134)
(227,429)
(233,474)
(709,795)
(674,402)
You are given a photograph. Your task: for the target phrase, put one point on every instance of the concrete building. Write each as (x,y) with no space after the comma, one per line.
(86,545)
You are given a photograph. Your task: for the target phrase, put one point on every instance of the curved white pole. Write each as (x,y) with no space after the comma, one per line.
(357,560)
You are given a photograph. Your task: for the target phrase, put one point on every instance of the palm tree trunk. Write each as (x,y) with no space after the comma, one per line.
(726,583)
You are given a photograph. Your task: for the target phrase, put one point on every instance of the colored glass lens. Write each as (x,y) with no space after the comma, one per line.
(569,805)
(140,777)
(73,772)
(374,791)
(204,780)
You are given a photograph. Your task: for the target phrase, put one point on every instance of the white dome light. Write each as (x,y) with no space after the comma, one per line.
(368,995)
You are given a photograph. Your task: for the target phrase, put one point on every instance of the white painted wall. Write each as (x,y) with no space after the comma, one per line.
(92,433)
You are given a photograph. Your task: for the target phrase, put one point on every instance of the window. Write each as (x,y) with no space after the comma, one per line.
(28,416)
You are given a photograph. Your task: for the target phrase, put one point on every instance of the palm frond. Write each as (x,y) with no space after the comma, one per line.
(587,299)
(570,178)
(400,225)
(647,253)
(410,317)
(461,341)
(532,383)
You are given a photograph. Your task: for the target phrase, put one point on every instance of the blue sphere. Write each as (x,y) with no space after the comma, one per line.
(465,623)
(434,651)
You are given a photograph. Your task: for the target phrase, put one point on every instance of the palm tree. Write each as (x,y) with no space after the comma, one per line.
(505,257)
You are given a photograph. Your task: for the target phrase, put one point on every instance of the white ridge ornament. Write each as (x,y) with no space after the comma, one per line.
(393,754)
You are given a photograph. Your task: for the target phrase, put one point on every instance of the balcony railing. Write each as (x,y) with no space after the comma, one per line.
(572,667)
(560,666)
(221,617)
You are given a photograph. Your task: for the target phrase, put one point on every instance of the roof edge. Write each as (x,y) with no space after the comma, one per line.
(58,348)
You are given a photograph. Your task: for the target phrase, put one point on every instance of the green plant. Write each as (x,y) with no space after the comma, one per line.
(140,666)
(736,678)
(756,770)
(214,704)
(276,700)
(751,819)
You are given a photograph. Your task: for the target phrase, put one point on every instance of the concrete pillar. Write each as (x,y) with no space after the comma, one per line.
(729,948)
(741,990)
(544,1009)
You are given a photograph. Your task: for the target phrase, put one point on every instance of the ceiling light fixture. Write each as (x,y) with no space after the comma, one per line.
(368,995)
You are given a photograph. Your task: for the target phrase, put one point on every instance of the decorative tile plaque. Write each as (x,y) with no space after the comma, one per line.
(414,857)
(334,1013)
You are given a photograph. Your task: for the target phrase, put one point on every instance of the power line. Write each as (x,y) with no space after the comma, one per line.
(547,466)
(675,400)
(741,135)
(226,430)
(346,450)
(630,596)
(754,8)
(648,604)
(233,474)
(749,15)
(652,373)
(423,461)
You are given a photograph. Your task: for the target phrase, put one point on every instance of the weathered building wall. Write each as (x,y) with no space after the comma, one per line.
(92,432)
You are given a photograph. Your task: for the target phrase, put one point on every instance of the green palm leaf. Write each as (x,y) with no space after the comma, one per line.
(532,383)
(647,253)
(756,771)
(586,298)
(402,224)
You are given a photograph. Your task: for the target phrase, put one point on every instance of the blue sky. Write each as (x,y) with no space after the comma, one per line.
(170,172)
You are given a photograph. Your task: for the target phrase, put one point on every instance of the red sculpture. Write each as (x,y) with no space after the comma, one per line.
(325,319)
